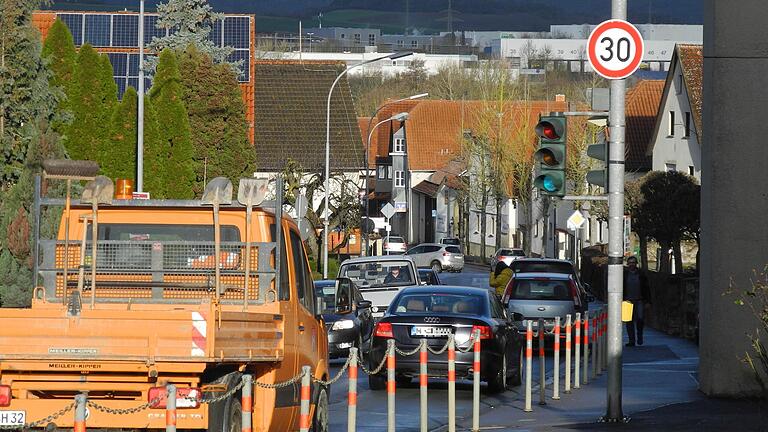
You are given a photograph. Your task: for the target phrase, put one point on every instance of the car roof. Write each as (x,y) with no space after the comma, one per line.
(549,260)
(377,258)
(559,276)
(445,289)
(431,244)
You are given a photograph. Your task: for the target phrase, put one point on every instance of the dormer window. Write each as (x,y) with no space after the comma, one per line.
(399,145)
(382,171)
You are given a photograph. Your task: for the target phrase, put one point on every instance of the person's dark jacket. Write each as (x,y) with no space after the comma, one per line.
(645,288)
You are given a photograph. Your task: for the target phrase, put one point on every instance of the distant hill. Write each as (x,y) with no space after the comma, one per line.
(428,16)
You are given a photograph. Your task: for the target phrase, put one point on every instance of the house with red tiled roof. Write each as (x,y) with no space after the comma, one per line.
(676,138)
(642,107)
(422,154)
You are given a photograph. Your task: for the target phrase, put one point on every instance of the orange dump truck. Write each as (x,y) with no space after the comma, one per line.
(153,306)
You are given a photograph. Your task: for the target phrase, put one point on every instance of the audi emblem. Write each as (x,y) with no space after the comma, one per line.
(431,320)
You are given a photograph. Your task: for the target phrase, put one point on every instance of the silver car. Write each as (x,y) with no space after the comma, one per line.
(544,295)
(437,256)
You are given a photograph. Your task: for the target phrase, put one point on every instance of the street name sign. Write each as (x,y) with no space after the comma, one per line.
(615,49)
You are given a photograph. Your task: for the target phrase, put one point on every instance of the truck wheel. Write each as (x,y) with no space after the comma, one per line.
(320,421)
(376,382)
(437,267)
(223,414)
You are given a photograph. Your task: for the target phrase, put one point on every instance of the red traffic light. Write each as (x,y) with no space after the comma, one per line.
(547,130)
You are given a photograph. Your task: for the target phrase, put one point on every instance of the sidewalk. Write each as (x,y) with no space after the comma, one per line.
(660,393)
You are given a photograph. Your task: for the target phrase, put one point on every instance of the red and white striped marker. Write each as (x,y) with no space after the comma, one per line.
(476,383)
(542,365)
(199,334)
(577,357)
(568,353)
(423,385)
(585,342)
(170,409)
(556,374)
(451,385)
(305,390)
(80,402)
(352,393)
(391,385)
(528,365)
(246,401)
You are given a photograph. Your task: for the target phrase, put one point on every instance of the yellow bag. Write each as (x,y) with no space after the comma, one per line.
(626,311)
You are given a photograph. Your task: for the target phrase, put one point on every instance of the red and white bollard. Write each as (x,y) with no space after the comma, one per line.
(604,356)
(542,365)
(305,391)
(423,385)
(391,385)
(170,409)
(595,342)
(80,401)
(585,342)
(352,394)
(476,384)
(528,364)
(246,401)
(556,373)
(568,354)
(451,384)
(577,357)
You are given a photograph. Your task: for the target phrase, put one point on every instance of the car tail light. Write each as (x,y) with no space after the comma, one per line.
(485,331)
(186,397)
(574,293)
(5,395)
(446,254)
(502,258)
(384,329)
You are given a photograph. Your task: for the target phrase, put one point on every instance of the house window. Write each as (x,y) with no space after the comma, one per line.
(382,171)
(399,145)
(690,170)
(357,38)
(389,172)
(372,39)
(671,126)
(399,179)
(679,84)
(687,125)
(414,43)
(400,43)
(343,36)
(670,167)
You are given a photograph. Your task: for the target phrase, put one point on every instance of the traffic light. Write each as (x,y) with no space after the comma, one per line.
(551,157)
(599,177)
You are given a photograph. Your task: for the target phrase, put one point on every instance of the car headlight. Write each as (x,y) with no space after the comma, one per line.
(343,325)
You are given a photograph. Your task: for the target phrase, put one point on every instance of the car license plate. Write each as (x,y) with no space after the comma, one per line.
(429,331)
(13,418)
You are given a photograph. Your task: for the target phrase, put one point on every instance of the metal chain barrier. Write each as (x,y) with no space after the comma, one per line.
(409,353)
(338,375)
(376,370)
(43,421)
(443,349)
(122,411)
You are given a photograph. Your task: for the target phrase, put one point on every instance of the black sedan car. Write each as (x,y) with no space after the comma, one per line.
(431,314)
(344,331)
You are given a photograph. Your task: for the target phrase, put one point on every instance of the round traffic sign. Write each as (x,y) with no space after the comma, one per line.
(615,49)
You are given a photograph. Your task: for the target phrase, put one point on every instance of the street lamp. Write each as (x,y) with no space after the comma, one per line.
(368,145)
(326,184)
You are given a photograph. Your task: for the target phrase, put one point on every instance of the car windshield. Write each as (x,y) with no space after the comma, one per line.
(377,273)
(523,266)
(461,304)
(394,239)
(453,249)
(328,295)
(540,289)
(451,241)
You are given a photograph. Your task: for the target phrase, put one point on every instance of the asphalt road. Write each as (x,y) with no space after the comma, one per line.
(372,405)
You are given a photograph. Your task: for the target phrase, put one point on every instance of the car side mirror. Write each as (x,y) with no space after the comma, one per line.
(364,304)
(590,298)
(343,296)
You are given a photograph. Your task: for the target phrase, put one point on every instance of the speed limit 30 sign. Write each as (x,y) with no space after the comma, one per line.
(615,49)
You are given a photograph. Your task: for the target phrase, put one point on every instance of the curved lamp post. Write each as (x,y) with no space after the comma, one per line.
(326,184)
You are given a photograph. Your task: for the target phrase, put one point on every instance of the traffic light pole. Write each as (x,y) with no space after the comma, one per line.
(616,122)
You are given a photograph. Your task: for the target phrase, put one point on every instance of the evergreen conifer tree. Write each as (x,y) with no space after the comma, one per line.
(25,95)
(216,118)
(94,96)
(61,55)
(155,154)
(174,132)
(120,159)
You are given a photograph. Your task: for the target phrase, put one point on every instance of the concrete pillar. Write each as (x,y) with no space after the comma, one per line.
(734,197)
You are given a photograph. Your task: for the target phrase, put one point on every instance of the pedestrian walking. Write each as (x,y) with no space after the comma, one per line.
(500,277)
(637,291)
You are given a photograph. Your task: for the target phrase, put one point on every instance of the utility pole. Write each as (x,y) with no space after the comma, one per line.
(616,122)
(140,121)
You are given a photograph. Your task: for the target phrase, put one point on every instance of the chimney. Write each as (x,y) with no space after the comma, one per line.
(559,98)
